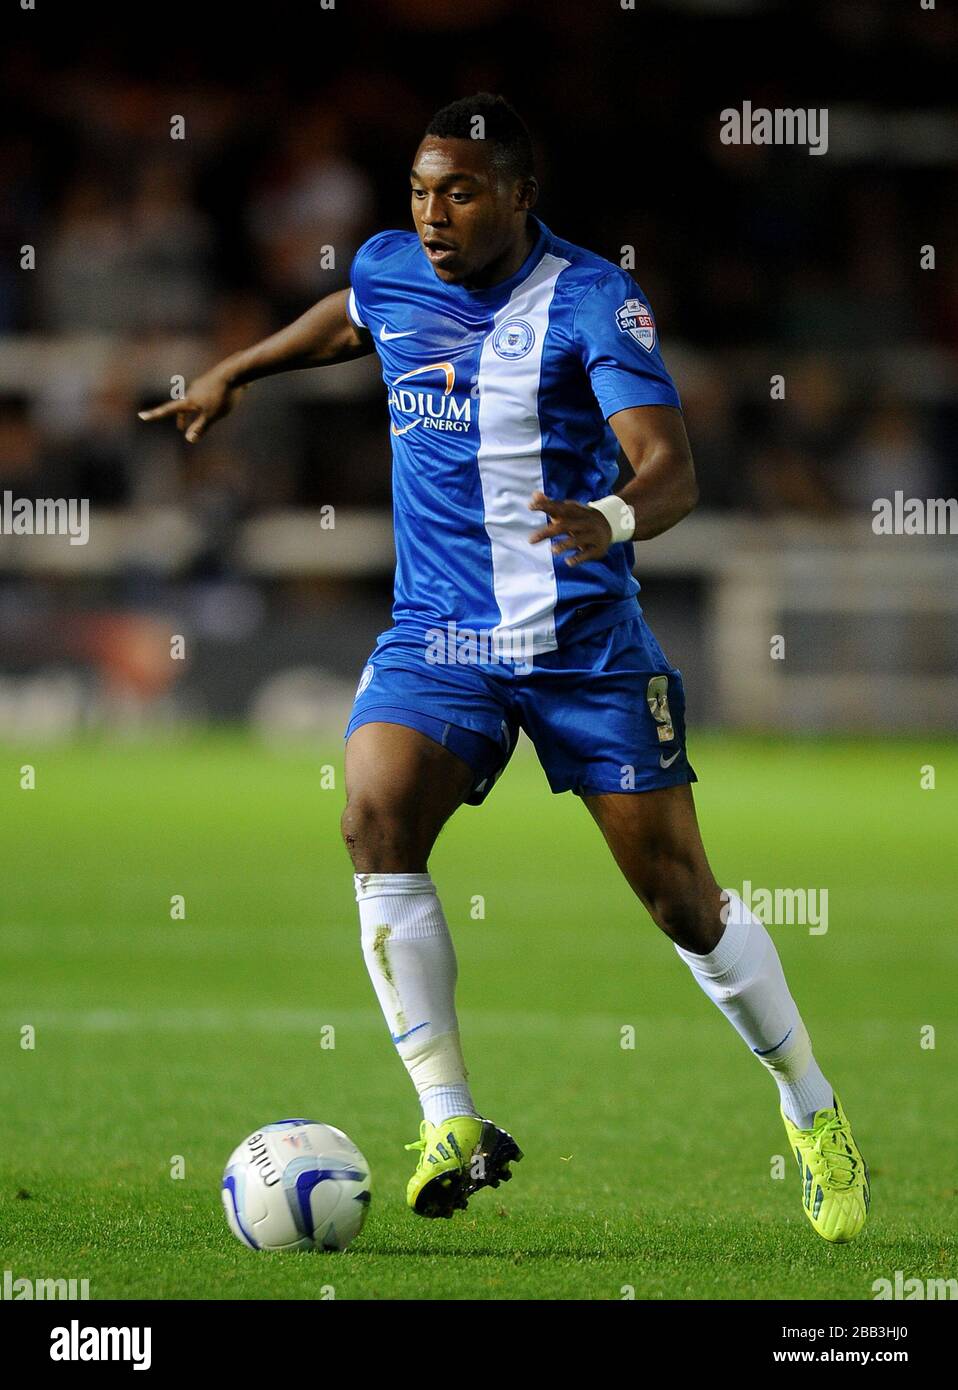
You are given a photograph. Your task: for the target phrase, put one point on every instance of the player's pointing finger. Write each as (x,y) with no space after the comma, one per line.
(158,412)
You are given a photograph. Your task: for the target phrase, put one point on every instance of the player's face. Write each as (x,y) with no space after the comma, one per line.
(469,217)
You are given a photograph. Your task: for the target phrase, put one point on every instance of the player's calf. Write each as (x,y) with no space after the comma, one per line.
(654,838)
(684,901)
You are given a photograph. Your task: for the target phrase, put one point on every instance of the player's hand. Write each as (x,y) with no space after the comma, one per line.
(586,531)
(207,400)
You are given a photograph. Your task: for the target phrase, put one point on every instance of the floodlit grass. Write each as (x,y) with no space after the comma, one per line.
(649,1167)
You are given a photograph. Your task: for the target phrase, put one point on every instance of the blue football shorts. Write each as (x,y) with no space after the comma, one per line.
(605,713)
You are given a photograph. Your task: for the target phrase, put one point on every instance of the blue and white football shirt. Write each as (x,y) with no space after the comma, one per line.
(494,394)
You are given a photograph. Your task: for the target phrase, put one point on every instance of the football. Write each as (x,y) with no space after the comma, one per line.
(296,1185)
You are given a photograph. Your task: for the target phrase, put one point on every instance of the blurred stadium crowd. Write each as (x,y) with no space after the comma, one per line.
(157,256)
(757,260)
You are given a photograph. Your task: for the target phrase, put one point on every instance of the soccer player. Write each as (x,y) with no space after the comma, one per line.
(514,364)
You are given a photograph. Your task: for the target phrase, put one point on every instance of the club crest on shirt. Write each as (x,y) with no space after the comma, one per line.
(513,339)
(636,318)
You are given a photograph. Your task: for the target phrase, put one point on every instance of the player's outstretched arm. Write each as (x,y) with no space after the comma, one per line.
(323,335)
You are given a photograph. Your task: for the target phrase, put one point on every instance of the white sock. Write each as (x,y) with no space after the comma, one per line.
(743,976)
(411,961)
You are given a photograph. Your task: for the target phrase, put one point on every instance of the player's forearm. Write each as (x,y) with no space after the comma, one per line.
(662,492)
(664,489)
(322,336)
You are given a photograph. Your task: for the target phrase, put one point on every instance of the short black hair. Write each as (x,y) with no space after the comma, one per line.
(505,132)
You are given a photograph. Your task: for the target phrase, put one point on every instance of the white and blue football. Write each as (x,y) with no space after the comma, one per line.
(296,1185)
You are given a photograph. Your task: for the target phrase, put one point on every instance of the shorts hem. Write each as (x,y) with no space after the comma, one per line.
(659,784)
(398,714)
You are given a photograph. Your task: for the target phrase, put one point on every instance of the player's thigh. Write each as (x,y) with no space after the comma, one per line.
(401,788)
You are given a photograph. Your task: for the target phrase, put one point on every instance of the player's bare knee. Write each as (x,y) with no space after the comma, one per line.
(369,829)
(380,838)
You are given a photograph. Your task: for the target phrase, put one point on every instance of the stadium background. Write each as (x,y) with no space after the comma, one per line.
(218,778)
(157,256)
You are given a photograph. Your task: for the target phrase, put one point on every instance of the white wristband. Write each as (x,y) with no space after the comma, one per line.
(619,514)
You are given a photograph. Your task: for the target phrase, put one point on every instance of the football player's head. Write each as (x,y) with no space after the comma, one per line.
(473,181)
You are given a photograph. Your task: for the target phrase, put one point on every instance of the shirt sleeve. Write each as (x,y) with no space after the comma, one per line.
(358,281)
(352,309)
(615,334)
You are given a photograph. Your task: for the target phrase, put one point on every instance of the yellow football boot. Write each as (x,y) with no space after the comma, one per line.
(835,1189)
(456,1159)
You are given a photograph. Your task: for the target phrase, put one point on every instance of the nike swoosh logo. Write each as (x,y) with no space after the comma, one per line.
(403,1036)
(406,428)
(667,762)
(385,335)
(763,1052)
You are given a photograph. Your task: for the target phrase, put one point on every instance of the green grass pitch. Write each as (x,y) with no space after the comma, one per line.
(650,1168)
